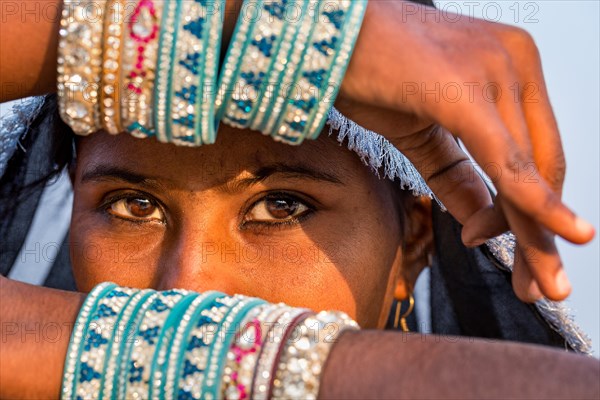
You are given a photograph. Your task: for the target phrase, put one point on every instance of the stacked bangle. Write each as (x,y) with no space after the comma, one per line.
(304,58)
(151,67)
(79,64)
(135,344)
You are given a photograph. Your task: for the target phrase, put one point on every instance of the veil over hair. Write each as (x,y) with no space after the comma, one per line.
(470,289)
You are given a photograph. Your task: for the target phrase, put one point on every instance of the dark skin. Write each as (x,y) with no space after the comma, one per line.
(310,226)
(402,51)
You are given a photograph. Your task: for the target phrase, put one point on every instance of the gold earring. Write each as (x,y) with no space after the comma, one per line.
(402,319)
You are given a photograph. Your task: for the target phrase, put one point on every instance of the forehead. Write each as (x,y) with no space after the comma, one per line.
(235,152)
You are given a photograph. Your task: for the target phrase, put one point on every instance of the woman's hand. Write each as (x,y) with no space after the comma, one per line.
(420,70)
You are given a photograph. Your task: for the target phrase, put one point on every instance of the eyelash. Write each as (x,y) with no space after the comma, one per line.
(282,224)
(245,224)
(112,200)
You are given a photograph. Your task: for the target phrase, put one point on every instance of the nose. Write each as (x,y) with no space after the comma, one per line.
(198,259)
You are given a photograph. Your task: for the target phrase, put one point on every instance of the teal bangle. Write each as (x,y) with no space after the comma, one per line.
(191,320)
(146,341)
(164,70)
(321,72)
(352,29)
(122,331)
(211,386)
(231,70)
(124,364)
(164,345)
(80,329)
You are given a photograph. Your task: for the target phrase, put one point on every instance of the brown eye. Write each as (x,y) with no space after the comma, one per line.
(138,208)
(277,208)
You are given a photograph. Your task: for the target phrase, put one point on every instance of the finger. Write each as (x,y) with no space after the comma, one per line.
(525,287)
(531,93)
(543,129)
(539,255)
(485,135)
(485,224)
(448,171)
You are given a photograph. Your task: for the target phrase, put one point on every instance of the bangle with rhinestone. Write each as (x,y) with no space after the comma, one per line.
(115,350)
(164,346)
(235,52)
(243,354)
(191,370)
(139,56)
(267,359)
(260,41)
(96,342)
(287,76)
(79,64)
(301,361)
(321,71)
(72,363)
(190,97)
(177,351)
(146,341)
(211,386)
(110,106)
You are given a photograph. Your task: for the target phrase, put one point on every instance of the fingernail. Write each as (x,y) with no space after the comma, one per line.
(562,282)
(534,293)
(583,226)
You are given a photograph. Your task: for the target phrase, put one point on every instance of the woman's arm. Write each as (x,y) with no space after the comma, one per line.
(390,365)
(367,364)
(36,325)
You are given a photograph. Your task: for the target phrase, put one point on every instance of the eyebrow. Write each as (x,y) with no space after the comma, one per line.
(289,171)
(100,173)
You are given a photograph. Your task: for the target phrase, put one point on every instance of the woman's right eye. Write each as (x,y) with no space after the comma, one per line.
(137,208)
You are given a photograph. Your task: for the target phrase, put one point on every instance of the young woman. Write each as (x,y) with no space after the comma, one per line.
(312,226)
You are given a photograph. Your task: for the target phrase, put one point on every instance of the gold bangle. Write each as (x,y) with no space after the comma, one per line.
(110,93)
(79,64)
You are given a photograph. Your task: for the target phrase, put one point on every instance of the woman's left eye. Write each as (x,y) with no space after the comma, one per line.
(277,208)
(136,208)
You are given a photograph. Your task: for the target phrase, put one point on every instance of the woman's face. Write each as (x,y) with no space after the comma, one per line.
(309,226)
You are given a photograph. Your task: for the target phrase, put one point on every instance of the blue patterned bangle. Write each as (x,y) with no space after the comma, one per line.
(321,71)
(164,345)
(191,374)
(211,387)
(177,351)
(73,361)
(97,341)
(146,341)
(187,70)
(261,41)
(120,339)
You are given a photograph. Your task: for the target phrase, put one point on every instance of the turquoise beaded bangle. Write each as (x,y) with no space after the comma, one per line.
(321,72)
(146,342)
(98,339)
(199,343)
(211,387)
(124,364)
(180,343)
(120,338)
(164,343)
(187,70)
(80,329)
